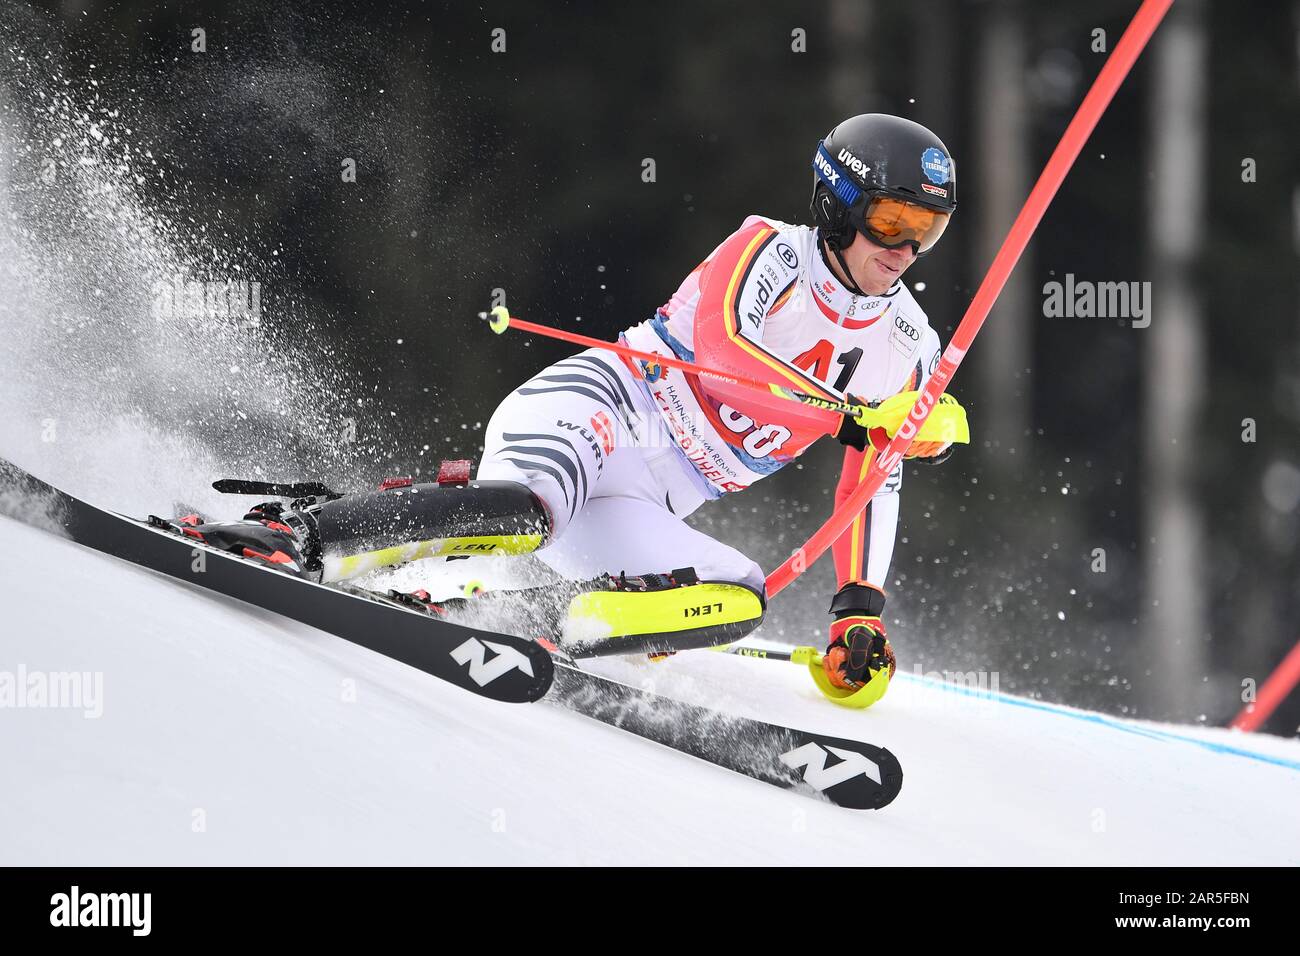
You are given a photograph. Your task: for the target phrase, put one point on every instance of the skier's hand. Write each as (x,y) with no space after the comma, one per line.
(930,452)
(857,650)
(858,646)
(855,434)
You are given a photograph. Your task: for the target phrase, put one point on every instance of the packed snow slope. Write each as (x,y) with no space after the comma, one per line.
(228,735)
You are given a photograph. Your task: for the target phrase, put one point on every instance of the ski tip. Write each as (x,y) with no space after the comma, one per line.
(542,676)
(891,780)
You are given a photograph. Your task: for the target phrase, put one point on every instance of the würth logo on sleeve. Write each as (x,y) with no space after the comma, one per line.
(604,430)
(130,910)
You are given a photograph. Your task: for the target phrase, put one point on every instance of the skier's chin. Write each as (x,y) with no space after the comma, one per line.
(880,277)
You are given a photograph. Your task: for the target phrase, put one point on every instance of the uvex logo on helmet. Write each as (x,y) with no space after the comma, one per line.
(855,164)
(827,168)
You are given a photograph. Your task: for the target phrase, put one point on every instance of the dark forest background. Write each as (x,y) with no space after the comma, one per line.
(522,170)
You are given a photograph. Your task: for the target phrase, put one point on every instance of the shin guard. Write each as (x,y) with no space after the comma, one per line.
(359,533)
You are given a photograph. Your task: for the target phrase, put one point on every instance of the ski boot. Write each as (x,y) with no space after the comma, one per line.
(652,614)
(659,615)
(404,520)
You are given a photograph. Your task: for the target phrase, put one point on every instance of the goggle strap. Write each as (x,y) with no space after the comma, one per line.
(835,176)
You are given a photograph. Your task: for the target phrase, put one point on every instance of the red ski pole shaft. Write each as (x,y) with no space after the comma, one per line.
(500,320)
(1103,89)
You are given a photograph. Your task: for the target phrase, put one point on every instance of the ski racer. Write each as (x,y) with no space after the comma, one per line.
(594,463)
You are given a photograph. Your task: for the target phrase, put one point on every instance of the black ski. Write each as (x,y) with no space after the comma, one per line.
(498,666)
(848,773)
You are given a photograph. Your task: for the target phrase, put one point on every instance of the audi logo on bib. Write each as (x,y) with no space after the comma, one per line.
(907,329)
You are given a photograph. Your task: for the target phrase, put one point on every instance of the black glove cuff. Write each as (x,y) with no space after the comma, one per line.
(858,599)
(852,434)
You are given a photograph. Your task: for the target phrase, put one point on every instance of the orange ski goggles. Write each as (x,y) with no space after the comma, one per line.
(892,222)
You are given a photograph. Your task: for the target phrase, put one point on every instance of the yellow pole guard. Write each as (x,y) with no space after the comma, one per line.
(500,320)
(859,699)
(947,423)
(810,657)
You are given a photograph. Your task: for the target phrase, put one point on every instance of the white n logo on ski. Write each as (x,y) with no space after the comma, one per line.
(812,757)
(483,672)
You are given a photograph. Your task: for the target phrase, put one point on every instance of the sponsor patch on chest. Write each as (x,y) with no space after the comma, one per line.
(904,336)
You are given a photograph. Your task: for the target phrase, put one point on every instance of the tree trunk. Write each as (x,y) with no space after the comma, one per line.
(850,79)
(1174,621)
(1002,145)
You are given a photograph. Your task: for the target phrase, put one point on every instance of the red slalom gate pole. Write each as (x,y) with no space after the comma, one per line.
(1085,119)
(1280,683)
(768,388)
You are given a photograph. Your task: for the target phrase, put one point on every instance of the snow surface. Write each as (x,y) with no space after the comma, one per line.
(229,735)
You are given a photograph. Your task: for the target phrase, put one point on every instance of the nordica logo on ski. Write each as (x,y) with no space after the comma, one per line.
(483,671)
(812,757)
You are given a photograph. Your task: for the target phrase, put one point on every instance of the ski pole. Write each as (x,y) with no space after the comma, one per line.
(795,655)
(500,319)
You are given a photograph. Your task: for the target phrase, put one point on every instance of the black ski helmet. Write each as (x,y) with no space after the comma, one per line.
(875,154)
